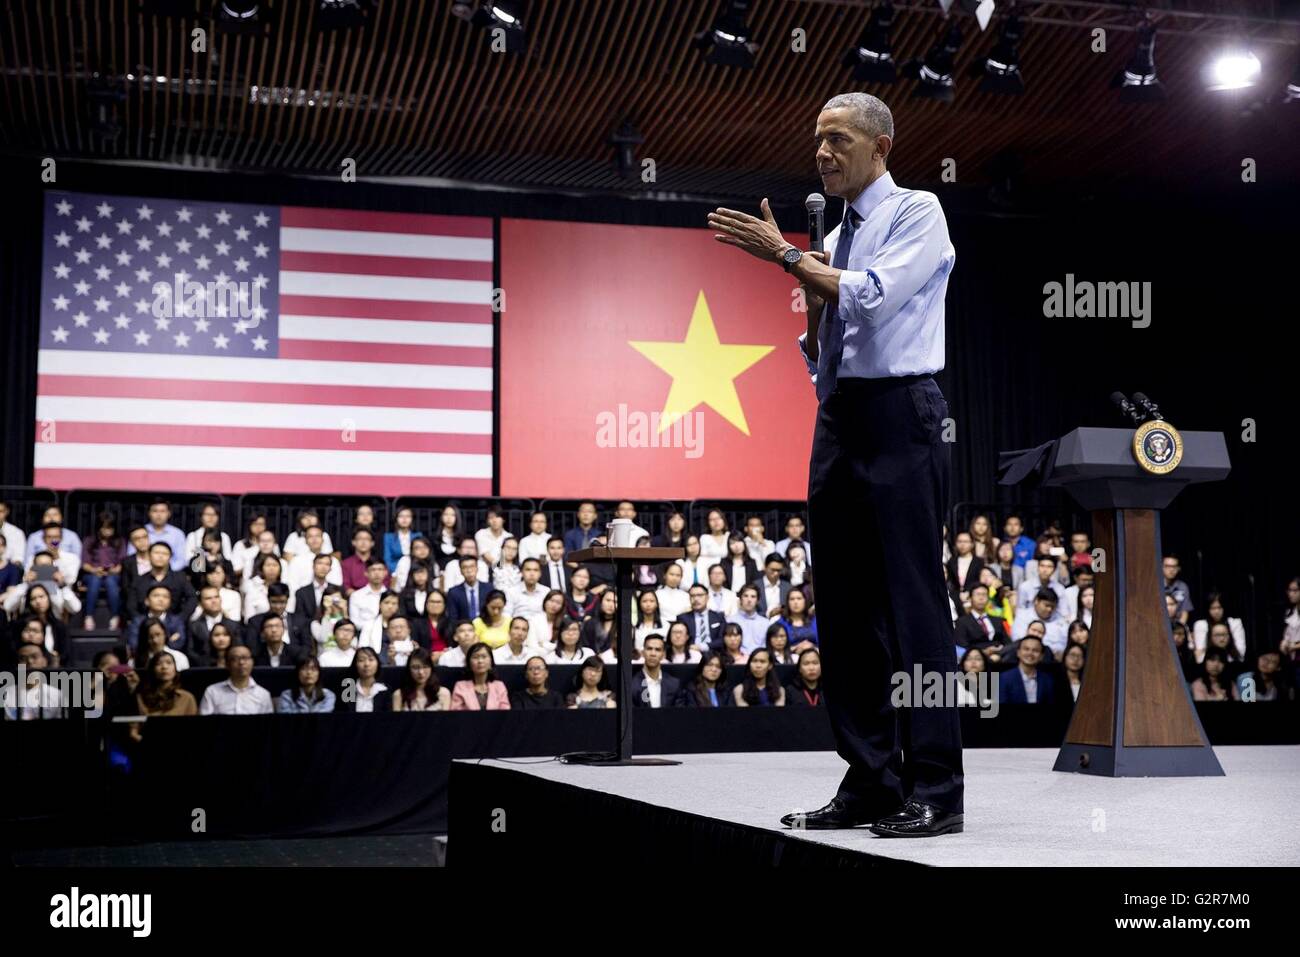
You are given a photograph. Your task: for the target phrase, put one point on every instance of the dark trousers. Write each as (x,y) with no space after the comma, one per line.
(877,495)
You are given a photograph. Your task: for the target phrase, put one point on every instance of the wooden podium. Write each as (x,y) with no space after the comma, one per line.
(1134,716)
(625,561)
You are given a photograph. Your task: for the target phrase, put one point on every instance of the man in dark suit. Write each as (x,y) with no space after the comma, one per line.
(1027,683)
(652,687)
(981,629)
(705,626)
(307,598)
(773,583)
(555,574)
(201,627)
(161,573)
(466,600)
(277,596)
(273,649)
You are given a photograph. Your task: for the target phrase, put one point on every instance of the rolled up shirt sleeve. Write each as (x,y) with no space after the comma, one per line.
(802,342)
(903,264)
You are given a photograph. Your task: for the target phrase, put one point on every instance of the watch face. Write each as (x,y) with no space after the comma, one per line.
(792,256)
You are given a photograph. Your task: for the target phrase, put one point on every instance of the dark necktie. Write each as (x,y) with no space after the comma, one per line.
(832,352)
(473,599)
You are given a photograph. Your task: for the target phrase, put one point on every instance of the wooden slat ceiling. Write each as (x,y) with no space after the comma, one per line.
(418,93)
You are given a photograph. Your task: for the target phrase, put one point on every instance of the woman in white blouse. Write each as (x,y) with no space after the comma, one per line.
(570,650)
(648,620)
(267,570)
(1215,614)
(506,574)
(796,564)
(544,625)
(695,570)
(209,520)
(713,543)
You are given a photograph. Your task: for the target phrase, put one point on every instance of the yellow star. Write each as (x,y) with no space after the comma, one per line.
(703,370)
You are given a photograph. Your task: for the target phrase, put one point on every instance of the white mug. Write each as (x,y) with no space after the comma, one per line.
(621,531)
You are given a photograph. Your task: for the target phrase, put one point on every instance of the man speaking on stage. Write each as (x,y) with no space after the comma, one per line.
(878,479)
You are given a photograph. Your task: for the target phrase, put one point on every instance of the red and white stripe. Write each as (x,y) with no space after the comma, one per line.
(383,383)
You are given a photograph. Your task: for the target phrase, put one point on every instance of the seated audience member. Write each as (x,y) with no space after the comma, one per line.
(708,687)
(158,605)
(467,597)
(101,571)
(399,642)
(306,696)
(679,650)
(544,626)
(527,598)
(600,631)
(492,626)
(713,543)
(732,638)
(11,572)
(773,588)
(517,649)
(36,540)
(266,545)
(674,600)
(533,545)
(981,533)
(209,557)
(273,649)
(1043,576)
(13,540)
(1267,682)
(416,591)
(585,531)
(398,542)
(341,648)
(969,694)
(420,689)
(239,693)
(463,638)
(46,574)
(267,575)
(1220,636)
(161,694)
(232,605)
(778,645)
(588,692)
(752,624)
(646,618)
(757,544)
(980,628)
(580,600)
(1186,656)
(37,699)
(1027,682)
(453,573)
(704,624)
(1044,610)
(363,604)
(116,696)
(721,598)
(220,640)
(797,567)
(375,634)
(1072,663)
(209,521)
(277,602)
(964,567)
(537,694)
(569,649)
(432,629)
(761,688)
(1176,588)
(152,638)
(210,616)
(35,621)
(356,567)
(1078,634)
(555,573)
(805,688)
(363,516)
(332,611)
(506,573)
(799,622)
(695,569)
(161,530)
(481,691)
(241,554)
(674,534)
(652,687)
(794,535)
(363,692)
(296,541)
(738,568)
(321,572)
(491,540)
(1214,683)
(421,554)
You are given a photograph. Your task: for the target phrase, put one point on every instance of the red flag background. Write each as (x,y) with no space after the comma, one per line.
(577,295)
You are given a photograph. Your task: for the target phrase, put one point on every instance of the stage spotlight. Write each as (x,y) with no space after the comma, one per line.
(625,141)
(505,15)
(1292,92)
(241,11)
(1233,69)
(933,72)
(728,41)
(871,58)
(1001,68)
(1137,82)
(344,14)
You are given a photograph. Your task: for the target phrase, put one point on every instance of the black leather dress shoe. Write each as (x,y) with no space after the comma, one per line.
(837,813)
(919,820)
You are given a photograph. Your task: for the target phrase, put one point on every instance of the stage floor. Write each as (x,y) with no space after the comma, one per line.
(1018,810)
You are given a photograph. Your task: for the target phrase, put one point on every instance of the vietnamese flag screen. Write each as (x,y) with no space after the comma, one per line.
(649,362)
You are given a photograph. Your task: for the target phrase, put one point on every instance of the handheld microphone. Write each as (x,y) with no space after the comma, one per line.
(1147,406)
(1126,407)
(816,206)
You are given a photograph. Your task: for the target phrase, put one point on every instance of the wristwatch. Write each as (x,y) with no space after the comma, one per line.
(790,257)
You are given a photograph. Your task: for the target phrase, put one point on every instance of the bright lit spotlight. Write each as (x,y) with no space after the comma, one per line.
(729,42)
(1137,82)
(1234,70)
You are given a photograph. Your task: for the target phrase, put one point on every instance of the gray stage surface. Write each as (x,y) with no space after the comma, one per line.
(1018,810)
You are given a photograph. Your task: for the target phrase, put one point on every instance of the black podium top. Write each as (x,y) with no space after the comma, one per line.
(1097,467)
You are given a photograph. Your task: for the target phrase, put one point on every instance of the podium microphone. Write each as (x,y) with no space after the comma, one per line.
(1126,407)
(1147,406)
(816,206)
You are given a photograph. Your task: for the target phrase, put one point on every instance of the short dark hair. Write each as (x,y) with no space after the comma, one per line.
(277,590)
(155,588)
(375,561)
(774,558)
(535,561)
(160,544)
(654,636)
(1046,594)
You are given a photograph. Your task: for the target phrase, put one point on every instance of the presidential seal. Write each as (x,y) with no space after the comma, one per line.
(1157,446)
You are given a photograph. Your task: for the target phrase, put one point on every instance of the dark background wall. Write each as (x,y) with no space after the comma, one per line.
(1221,347)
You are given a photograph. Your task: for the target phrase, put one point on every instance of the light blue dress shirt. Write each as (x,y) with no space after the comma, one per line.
(891,295)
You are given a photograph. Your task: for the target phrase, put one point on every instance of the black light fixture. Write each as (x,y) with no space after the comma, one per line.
(1137,82)
(1000,70)
(625,140)
(729,42)
(504,15)
(871,58)
(344,14)
(933,72)
(239,16)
